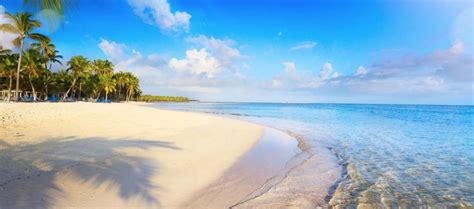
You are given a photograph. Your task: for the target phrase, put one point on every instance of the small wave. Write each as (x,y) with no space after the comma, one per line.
(355,191)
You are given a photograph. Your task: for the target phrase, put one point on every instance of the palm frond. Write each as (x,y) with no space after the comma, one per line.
(17,41)
(37,36)
(14,18)
(8,28)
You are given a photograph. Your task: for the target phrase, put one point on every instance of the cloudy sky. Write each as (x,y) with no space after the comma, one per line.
(396,51)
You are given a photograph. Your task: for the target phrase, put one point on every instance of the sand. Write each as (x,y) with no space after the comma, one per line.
(85,155)
(255,173)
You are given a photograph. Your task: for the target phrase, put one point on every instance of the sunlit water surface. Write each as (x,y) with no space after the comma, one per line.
(392,155)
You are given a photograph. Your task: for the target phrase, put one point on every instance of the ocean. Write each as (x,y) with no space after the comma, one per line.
(392,156)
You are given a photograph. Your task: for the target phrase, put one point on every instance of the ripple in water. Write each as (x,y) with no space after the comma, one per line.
(395,156)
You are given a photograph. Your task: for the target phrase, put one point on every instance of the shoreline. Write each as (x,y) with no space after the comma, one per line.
(317,188)
(256,171)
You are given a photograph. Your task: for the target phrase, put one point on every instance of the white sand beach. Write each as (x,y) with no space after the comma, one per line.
(85,155)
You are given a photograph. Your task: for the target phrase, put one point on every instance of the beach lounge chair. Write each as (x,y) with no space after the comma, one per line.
(53,99)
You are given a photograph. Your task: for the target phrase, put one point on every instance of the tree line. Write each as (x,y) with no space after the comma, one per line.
(151,98)
(30,69)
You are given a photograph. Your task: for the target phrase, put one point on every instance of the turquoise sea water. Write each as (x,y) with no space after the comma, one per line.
(392,155)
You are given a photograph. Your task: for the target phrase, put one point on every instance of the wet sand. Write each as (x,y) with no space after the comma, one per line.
(253,174)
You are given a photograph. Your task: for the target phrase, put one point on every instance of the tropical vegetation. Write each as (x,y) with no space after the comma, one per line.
(150,98)
(30,68)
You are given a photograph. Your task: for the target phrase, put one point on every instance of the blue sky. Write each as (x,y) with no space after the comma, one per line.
(280,51)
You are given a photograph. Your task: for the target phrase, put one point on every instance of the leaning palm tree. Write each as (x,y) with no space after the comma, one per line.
(78,66)
(108,85)
(22,25)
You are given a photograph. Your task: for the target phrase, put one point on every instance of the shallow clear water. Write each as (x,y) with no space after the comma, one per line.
(392,155)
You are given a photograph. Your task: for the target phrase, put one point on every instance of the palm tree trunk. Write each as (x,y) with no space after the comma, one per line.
(80,90)
(119,95)
(67,92)
(17,89)
(10,87)
(106,93)
(46,87)
(32,87)
(128,96)
(45,83)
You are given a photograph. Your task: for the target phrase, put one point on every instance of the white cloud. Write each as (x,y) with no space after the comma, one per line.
(430,78)
(221,49)
(197,62)
(326,71)
(112,49)
(441,72)
(361,71)
(451,64)
(158,12)
(293,79)
(198,75)
(457,48)
(463,26)
(212,57)
(5,38)
(304,45)
(289,67)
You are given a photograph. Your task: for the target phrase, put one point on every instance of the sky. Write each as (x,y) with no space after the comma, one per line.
(399,51)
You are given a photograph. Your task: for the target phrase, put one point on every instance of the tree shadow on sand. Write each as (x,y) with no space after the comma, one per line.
(28,172)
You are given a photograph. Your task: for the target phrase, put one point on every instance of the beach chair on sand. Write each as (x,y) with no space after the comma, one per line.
(53,99)
(109,101)
(26,99)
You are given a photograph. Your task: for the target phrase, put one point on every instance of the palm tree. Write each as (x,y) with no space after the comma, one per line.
(45,47)
(60,81)
(22,25)
(103,67)
(108,84)
(53,57)
(8,64)
(132,86)
(49,55)
(122,80)
(78,66)
(4,51)
(32,66)
(55,8)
